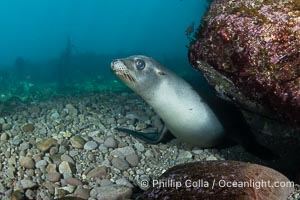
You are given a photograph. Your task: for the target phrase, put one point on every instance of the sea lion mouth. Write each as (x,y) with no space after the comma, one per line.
(125,75)
(121,70)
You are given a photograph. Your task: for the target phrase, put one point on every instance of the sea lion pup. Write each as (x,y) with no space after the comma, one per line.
(185,114)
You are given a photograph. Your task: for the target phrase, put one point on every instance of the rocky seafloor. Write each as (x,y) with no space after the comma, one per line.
(67,146)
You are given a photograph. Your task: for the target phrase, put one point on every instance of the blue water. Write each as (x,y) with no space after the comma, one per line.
(59,41)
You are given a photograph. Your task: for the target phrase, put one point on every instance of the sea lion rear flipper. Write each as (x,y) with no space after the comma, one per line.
(151,138)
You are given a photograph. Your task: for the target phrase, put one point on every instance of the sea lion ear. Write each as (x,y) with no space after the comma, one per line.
(161,73)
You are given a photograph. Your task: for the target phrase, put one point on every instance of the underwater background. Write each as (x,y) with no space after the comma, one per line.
(67,46)
(60,103)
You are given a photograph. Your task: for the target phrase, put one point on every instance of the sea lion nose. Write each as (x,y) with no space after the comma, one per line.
(113,63)
(117,64)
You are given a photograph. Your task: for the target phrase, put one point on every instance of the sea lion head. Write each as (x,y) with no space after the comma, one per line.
(140,73)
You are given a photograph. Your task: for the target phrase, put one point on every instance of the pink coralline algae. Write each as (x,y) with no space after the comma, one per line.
(255,44)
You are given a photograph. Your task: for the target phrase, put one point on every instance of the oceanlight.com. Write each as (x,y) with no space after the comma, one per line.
(257,184)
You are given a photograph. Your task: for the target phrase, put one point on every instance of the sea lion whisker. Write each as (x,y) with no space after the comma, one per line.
(127,76)
(131,77)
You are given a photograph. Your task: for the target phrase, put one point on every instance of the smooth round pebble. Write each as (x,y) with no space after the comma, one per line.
(53,150)
(67,158)
(6,127)
(24,146)
(30,194)
(98,172)
(73,181)
(51,168)
(41,164)
(77,142)
(82,192)
(110,142)
(27,184)
(72,111)
(112,192)
(4,137)
(28,128)
(90,145)
(45,145)
(123,151)
(65,168)
(139,147)
(125,182)
(185,155)
(53,176)
(120,163)
(132,159)
(27,162)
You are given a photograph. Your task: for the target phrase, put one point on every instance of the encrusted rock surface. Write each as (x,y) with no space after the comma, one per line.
(255,45)
(220,180)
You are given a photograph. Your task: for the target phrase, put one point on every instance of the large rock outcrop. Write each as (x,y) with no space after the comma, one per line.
(249,50)
(220,180)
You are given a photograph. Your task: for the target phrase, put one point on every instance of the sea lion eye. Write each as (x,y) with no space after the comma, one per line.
(140,64)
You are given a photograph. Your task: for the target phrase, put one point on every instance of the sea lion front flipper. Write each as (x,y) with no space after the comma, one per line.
(151,138)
